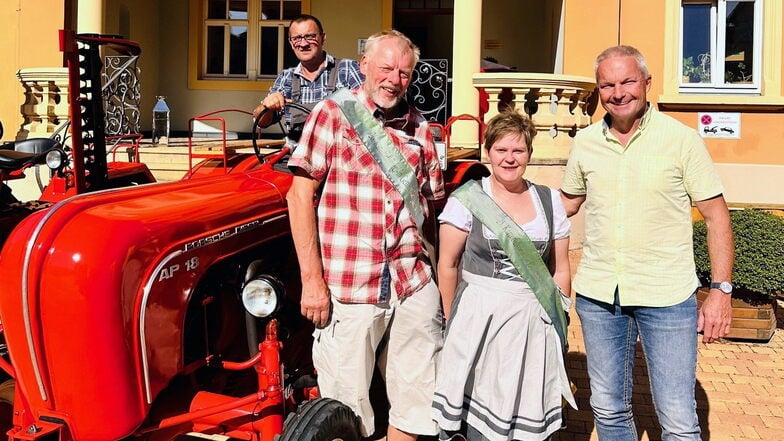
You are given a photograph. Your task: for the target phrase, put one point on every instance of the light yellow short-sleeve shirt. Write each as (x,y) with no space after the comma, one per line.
(638,224)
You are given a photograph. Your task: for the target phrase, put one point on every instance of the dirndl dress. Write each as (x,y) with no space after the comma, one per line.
(501,375)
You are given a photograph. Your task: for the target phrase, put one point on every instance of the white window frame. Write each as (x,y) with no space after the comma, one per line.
(282,25)
(718,41)
(253,23)
(227,25)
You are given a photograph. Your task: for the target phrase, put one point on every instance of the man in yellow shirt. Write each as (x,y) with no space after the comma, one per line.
(638,172)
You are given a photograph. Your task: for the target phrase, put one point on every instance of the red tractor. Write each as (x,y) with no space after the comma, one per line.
(163,311)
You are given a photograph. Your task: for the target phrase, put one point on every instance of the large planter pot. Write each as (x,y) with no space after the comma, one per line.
(753,315)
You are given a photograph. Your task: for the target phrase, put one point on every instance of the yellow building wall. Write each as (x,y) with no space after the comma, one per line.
(28,32)
(343,29)
(752,167)
(760,142)
(589,27)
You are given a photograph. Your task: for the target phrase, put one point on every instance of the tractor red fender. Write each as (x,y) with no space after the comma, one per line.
(115,269)
(460,172)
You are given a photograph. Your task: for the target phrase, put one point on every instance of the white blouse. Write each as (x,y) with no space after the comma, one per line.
(456,214)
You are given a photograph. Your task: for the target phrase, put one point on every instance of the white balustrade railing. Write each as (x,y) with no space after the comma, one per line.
(558,105)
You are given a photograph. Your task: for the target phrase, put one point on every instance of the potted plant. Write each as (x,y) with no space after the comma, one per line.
(758,273)
(696,71)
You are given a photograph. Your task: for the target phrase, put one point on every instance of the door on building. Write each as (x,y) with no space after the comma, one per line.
(519,36)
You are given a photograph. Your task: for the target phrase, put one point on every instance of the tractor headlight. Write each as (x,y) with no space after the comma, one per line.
(55,159)
(261,296)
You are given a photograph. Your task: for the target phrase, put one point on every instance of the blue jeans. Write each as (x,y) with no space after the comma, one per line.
(669,342)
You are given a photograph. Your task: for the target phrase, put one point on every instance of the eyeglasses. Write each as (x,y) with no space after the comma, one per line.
(304,37)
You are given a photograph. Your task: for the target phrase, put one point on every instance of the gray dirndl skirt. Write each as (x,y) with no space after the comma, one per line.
(501,369)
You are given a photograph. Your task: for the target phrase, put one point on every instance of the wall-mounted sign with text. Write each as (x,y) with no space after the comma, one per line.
(719,125)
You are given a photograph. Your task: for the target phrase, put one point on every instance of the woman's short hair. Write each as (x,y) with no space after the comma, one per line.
(510,122)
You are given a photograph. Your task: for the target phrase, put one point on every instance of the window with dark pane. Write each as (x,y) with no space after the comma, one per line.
(291,9)
(216,9)
(238,50)
(696,67)
(238,9)
(215,50)
(739,42)
(247,38)
(289,58)
(271,10)
(269,50)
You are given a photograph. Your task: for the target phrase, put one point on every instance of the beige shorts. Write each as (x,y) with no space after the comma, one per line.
(344,354)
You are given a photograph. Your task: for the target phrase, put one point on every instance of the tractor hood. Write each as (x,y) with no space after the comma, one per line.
(93,290)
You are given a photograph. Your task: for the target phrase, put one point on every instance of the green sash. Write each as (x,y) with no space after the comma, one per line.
(519,248)
(388,156)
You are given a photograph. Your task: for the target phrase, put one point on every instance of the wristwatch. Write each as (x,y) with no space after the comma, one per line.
(725,287)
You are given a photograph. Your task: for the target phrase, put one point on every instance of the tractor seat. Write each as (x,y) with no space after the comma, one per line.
(35,145)
(11,160)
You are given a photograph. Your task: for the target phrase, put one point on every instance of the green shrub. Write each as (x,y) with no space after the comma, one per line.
(759,252)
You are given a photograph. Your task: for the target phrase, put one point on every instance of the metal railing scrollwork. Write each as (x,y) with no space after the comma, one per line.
(428,89)
(121,94)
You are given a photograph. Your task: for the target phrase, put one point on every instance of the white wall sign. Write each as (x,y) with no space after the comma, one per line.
(719,125)
(441,150)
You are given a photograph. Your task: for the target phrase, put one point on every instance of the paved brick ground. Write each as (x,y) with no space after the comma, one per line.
(740,392)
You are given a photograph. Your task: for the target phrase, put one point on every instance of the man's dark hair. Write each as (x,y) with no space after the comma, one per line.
(307,17)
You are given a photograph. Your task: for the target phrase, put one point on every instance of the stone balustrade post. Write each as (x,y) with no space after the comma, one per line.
(557,105)
(493,101)
(46,101)
(519,97)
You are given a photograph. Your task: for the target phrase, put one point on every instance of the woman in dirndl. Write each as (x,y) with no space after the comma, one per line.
(501,375)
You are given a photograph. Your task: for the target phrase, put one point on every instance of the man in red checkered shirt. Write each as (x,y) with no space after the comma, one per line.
(366,277)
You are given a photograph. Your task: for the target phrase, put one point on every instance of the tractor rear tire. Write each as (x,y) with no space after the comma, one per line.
(322,419)
(7,405)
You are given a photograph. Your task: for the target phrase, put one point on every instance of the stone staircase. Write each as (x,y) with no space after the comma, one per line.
(169,162)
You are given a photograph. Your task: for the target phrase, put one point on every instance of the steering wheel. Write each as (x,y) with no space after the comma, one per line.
(267,118)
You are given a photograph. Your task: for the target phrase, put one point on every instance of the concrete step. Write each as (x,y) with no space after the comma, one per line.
(165,163)
(169,162)
(167,175)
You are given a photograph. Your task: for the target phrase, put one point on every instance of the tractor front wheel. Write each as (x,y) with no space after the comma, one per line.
(7,405)
(322,419)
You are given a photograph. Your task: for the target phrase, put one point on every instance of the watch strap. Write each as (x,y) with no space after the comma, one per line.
(722,286)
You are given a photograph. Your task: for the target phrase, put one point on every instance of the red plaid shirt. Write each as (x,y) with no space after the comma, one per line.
(363,223)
